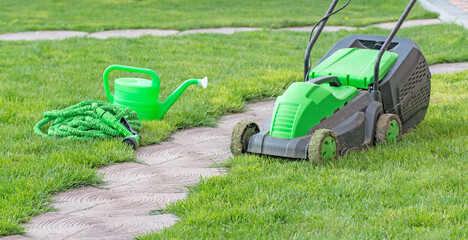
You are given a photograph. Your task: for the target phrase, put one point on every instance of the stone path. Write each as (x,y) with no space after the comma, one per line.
(135,33)
(462,4)
(121,208)
(455,11)
(449,67)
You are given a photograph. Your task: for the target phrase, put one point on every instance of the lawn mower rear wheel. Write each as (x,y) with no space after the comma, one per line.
(388,129)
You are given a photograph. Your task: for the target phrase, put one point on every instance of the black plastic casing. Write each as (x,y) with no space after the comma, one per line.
(406,87)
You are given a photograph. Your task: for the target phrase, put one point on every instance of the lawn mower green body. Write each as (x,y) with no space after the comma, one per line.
(305,104)
(292,118)
(341,106)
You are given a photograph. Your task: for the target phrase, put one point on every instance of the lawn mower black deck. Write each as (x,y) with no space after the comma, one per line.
(339,107)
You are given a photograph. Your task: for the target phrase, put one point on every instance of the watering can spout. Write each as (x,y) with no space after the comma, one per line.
(164,106)
(203,82)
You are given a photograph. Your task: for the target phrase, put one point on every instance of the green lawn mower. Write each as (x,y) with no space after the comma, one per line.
(339,107)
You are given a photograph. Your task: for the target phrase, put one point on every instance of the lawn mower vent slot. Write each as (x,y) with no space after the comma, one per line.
(285,117)
(418,75)
(369,44)
(418,101)
(415,92)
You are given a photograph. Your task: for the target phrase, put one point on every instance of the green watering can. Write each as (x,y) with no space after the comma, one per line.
(142,95)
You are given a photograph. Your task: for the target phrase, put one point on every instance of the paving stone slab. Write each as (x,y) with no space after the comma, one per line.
(197,135)
(309,28)
(461,4)
(41,35)
(449,67)
(161,153)
(14,237)
(224,30)
(132,33)
(135,33)
(387,25)
(408,23)
(447,12)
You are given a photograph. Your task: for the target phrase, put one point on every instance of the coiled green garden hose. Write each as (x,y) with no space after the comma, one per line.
(81,122)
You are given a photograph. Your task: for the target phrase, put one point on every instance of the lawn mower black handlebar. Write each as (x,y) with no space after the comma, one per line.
(323,21)
(315,37)
(375,86)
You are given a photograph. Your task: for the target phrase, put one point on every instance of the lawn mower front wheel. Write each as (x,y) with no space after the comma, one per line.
(241,135)
(323,147)
(388,129)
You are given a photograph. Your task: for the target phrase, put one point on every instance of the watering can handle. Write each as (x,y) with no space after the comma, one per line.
(110,97)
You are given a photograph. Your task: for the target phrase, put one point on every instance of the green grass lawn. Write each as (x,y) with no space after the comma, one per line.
(45,75)
(416,189)
(93,16)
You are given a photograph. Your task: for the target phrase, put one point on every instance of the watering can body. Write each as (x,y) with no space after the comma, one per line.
(139,95)
(142,95)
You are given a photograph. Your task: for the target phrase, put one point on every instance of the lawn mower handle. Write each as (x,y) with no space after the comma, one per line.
(316,36)
(375,86)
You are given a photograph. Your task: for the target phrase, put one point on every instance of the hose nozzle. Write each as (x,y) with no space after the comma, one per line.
(131,138)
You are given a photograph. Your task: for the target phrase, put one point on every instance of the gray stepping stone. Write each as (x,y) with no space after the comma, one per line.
(132,33)
(408,23)
(106,227)
(447,12)
(388,25)
(448,67)
(225,30)
(41,35)
(325,29)
(14,237)
(135,33)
